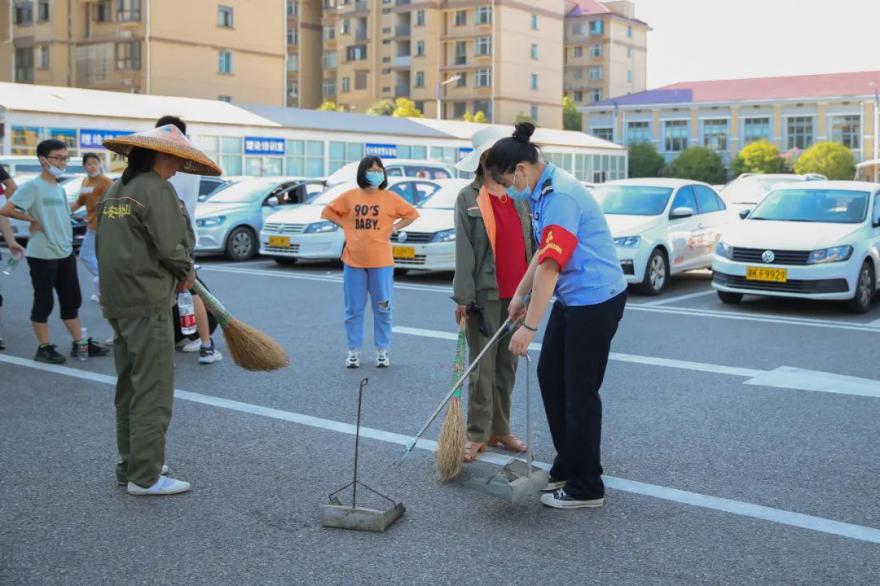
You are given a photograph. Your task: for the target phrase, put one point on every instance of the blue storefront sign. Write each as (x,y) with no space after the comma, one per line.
(463,152)
(90,138)
(384,151)
(256,145)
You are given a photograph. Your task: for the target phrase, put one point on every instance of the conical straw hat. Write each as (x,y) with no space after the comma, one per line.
(169,140)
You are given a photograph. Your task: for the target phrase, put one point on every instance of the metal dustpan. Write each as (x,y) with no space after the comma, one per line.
(340,516)
(518,479)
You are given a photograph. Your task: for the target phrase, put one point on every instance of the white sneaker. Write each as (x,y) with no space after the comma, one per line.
(382,359)
(353,360)
(165,471)
(164,486)
(209,354)
(193,346)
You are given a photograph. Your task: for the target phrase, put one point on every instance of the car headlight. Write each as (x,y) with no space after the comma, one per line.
(210,222)
(628,241)
(444,236)
(835,254)
(724,249)
(321,227)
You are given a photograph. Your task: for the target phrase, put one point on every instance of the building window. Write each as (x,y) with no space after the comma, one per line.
(340,153)
(291,7)
(595,73)
(629,32)
(533,84)
(595,96)
(346,27)
(462,79)
(420,48)
(484,78)
(460,17)
(227,99)
(533,112)
(629,52)
(328,88)
(484,106)
(597,28)
(360,80)
(24,65)
(534,22)
(291,36)
(459,109)
(293,63)
(460,53)
(43,10)
(356,53)
(484,46)
(420,18)
(605,133)
(755,129)
(629,76)
(346,84)
(595,50)
(103,11)
(24,13)
(484,15)
(846,130)
(128,56)
(224,61)
(330,59)
(577,29)
(128,10)
(305,158)
(715,135)
(534,51)
(44,57)
(799,132)
(578,52)
(577,74)
(676,135)
(637,132)
(579,96)
(420,79)
(224,16)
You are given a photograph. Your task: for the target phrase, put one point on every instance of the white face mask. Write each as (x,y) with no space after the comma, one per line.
(55,171)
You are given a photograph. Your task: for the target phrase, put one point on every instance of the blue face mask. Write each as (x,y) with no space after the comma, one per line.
(375,178)
(516,194)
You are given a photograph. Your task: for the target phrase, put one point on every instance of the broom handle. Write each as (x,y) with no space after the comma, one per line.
(471,366)
(213,304)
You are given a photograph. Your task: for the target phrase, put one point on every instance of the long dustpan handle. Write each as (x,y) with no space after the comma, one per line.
(529,413)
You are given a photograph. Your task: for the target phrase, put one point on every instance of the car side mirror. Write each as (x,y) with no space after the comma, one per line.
(743,214)
(680,213)
(272,202)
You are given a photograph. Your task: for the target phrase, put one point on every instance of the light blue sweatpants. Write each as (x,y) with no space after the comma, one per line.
(379,283)
(89,257)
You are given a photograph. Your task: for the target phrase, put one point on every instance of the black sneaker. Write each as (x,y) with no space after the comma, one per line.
(2,345)
(95,349)
(560,500)
(209,354)
(553,485)
(49,355)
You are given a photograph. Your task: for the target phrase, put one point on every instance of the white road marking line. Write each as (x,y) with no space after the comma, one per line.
(734,507)
(872,327)
(784,377)
(670,300)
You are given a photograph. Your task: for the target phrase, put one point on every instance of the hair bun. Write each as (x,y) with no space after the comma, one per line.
(523,131)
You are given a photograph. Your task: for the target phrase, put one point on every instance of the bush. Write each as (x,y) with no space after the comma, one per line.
(404,108)
(698,164)
(329,106)
(831,159)
(759,157)
(571,118)
(479,117)
(645,161)
(381,108)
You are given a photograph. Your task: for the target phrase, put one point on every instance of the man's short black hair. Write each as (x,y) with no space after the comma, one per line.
(166,120)
(49,145)
(88,156)
(364,166)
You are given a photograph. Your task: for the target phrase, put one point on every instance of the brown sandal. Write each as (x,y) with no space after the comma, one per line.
(472,449)
(508,442)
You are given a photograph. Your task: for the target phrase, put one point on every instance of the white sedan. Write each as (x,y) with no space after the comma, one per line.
(662,227)
(301,232)
(815,240)
(429,243)
(748,190)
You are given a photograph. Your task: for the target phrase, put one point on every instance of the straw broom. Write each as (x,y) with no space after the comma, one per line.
(250,348)
(450,445)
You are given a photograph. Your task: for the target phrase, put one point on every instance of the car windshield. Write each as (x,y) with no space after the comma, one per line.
(243,192)
(814,205)
(332,193)
(443,199)
(633,200)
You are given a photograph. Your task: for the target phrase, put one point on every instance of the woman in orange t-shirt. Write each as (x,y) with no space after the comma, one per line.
(369,215)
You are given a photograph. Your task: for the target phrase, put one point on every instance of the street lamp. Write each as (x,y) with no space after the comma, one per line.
(452,79)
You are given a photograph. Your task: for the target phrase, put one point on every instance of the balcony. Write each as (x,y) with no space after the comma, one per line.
(403,61)
(403,2)
(402,91)
(402,30)
(361,35)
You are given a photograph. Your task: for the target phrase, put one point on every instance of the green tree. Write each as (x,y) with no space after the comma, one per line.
(831,159)
(645,161)
(479,117)
(523,117)
(699,164)
(404,108)
(571,118)
(381,108)
(759,157)
(329,106)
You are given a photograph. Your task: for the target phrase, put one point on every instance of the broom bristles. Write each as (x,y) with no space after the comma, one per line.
(450,445)
(252,349)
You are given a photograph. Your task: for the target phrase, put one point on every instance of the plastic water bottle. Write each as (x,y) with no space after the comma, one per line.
(187,309)
(82,346)
(11,264)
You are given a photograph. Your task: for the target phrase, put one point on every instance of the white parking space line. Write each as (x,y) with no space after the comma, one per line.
(784,377)
(670,300)
(734,507)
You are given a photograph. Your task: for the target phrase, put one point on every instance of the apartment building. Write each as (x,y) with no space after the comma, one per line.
(451,57)
(606,50)
(233,50)
(792,112)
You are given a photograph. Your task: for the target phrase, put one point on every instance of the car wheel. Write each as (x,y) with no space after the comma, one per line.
(656,274)
(730,298)
(241,244)
(285,260)
(865,286)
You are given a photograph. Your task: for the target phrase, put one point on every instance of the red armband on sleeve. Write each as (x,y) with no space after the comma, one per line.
(557,243)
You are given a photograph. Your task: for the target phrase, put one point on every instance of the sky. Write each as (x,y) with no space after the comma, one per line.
(696,40)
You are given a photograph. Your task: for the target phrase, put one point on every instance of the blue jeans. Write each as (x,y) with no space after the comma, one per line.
(89,257)
(379,283)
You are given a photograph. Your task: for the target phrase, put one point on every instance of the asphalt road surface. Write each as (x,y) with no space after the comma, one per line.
(740,446)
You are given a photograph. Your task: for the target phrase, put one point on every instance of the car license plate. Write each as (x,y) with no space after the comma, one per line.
(766,275)
(403,252)
(279,241)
